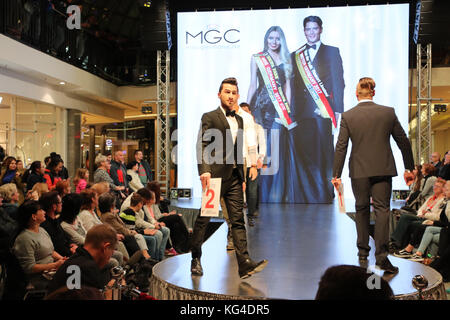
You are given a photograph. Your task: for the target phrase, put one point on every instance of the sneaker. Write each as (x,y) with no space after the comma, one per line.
(416,257)
(171,252)
(403,254)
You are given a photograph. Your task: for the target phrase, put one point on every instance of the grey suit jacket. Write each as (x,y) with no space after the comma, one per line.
(220,154)
(370,126)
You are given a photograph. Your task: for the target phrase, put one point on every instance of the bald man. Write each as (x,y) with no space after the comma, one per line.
(118,171)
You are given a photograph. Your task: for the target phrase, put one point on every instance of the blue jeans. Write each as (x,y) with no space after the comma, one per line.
(151,244)
(162,236)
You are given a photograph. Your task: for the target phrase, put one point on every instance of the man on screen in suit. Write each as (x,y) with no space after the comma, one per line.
(369,126)
(223,128)
(317,102)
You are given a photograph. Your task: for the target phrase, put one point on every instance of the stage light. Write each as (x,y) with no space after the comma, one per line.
(62,83)
(440,108)
(1,98)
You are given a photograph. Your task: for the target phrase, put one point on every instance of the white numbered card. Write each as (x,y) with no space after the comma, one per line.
(211,199)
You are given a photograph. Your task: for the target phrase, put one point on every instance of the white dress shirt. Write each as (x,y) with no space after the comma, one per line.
(250,139)
(233,125)
(312,52)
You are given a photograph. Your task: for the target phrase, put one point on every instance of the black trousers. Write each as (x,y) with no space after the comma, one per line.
(178,232)
(231,191)
(379,188)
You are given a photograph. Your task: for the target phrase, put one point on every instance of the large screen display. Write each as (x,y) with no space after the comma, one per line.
(295,90)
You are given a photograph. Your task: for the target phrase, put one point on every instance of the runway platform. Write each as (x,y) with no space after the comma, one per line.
(300,241)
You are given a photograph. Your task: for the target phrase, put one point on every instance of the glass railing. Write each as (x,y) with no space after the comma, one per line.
(42,24)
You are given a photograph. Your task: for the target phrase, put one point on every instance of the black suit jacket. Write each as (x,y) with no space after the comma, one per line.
(370,126)
(328,64)
(215,150)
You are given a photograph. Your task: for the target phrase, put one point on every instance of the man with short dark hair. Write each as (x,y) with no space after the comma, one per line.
(118,171)
(90,259)
(370,126)
(144,170)
(317,101)
(229,125)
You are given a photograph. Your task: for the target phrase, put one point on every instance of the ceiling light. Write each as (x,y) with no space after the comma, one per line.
(1,98)
(62,83)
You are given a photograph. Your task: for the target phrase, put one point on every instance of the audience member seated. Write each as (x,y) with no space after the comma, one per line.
(411,228)
(10,196)
(435,159)
(92,259)
(102,175)
(433,229)
(37,191)
(147,224)
(63,188)
(346,282)
(444,172)
(415,187)
(8,229)
(51,203)
(118,171)
(52,171)
(89,203)
(71,205)
(100,188)
(75,229)
(9,174)
(33,246)
(106,204)
(80,180)
(34,175)
(179,233)
(132,170)
(62,173)
(428,172)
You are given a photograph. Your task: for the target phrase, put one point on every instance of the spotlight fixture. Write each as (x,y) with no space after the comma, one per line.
(62,83)
(147,4)
(440,108)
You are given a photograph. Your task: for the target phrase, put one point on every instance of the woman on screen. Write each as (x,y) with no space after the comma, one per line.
(269,96)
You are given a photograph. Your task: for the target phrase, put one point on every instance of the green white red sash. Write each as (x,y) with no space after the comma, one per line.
(271,78)
(313,83)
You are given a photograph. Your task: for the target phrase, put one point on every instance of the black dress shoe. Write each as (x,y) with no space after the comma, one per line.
(251,221)
(196,267)
(387,266)
(250,267)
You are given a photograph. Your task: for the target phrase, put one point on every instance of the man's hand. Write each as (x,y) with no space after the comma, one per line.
(259,164)
(150,232)
(205,179)
(428,222)
(336,182)
(253,173)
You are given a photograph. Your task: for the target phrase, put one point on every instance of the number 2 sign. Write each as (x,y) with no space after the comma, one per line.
(211,199)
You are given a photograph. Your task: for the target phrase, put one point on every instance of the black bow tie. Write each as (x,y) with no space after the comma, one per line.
(309,46)
(230,113)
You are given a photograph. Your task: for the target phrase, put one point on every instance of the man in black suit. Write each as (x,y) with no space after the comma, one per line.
(369,126)
(317,102)
(223,128)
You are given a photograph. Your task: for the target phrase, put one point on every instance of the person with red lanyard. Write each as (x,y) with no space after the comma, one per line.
(411,227)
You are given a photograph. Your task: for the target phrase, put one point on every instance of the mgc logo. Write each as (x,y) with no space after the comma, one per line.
(213,36)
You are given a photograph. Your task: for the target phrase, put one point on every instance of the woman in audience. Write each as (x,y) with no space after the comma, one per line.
(10,199)
(63,188)
(100,188)
(416,186)
(410,228)
(429,178)
(179,234)
(33,247)
(433,229)
(132,170)
(101,174)
(74,228)
(36,192)
(71,205)
(89,203)
(52,171)
(10,174)
(34,175)
(81,179)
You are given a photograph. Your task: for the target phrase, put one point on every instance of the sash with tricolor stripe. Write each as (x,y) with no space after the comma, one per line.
(313,83)
(271,78)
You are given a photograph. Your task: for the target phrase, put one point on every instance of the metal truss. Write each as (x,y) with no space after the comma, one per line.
(163,121)
(424,143)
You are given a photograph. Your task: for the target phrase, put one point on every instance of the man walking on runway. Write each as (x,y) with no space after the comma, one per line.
(369,126)
(226,162)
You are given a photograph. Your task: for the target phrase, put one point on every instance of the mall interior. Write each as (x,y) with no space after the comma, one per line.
(93,88)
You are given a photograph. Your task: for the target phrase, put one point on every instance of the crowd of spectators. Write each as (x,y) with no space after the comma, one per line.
(46,217)
(420,229)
